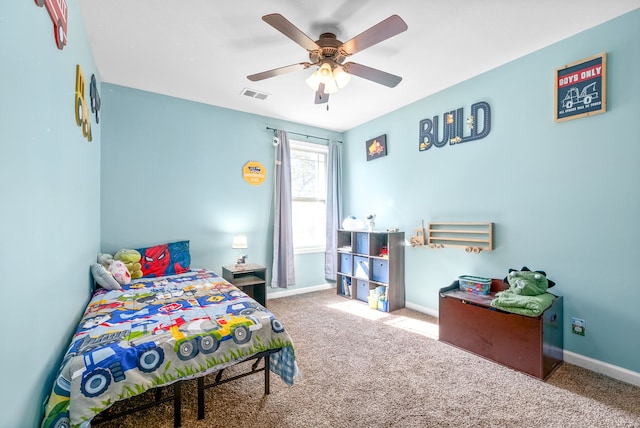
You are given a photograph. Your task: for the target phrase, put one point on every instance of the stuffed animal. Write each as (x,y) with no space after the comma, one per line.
(105,260)
(131,259)
(527,283)
(120,272)
(103,277)
(526,269)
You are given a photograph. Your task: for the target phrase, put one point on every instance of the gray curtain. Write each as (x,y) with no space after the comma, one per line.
(334,207)
(283,273)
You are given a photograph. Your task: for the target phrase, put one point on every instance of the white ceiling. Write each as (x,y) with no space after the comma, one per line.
(202,50)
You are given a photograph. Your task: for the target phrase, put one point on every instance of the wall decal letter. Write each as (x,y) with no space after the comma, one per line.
(479,124)
(82,111)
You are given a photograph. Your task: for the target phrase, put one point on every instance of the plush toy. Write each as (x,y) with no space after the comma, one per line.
(526,269)
(120,272)
(105,260)
(527,283)
(103,277)
(131,259)
(527,293)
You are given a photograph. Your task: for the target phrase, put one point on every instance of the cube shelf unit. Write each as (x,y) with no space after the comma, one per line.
(363,265)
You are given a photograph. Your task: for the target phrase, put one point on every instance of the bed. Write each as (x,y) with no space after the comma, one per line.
(159,332)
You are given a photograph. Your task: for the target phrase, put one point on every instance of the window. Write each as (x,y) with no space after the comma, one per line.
(309,196)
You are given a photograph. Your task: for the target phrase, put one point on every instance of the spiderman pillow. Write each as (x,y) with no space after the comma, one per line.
(165,259)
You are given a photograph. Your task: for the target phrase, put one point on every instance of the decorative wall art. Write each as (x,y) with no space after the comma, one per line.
(95,97)
(581,88)
(455,128)
(82,111)
(254,173)
(377,147)
(58,12)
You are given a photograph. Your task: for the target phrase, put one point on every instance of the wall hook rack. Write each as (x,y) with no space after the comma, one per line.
(473,237)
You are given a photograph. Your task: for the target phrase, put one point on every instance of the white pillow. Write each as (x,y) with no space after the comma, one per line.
(103,277)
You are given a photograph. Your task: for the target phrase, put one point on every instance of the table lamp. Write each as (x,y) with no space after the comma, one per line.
(240,243)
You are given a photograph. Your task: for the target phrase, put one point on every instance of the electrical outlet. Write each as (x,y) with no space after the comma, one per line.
(578,326)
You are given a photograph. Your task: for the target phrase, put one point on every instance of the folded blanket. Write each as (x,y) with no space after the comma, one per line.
(531,306)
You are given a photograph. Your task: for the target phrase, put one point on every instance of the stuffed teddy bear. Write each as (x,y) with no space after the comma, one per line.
(131,259)
(120,272)
(105,260)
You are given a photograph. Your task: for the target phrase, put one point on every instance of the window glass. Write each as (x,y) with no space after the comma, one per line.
(309,195)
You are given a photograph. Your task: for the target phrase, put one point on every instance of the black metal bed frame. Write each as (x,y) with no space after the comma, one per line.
(109,414)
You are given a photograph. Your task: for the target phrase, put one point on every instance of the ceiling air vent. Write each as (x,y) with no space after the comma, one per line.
(254,94)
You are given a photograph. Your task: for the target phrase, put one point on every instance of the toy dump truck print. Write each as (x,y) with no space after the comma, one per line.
(205,335)
(586,96)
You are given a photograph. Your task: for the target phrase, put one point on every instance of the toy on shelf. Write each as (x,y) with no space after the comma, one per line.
(371,218)
(417,240)
(473,237)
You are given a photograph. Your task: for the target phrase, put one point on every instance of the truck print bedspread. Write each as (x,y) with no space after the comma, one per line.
(156,331)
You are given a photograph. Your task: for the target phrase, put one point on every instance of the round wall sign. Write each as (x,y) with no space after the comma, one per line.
(254,173)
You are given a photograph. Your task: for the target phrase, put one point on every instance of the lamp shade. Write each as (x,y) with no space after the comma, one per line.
(330,87)
(312,81)
(239,242)
(324,73)
(341,77)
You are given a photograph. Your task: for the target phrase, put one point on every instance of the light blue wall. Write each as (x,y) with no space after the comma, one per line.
(172,169)
(50,210)
(563,196)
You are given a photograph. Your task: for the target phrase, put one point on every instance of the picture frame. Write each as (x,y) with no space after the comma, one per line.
(376,147)
(581,88)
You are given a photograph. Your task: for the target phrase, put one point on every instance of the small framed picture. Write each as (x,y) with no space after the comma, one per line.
(376,147)
(581,88)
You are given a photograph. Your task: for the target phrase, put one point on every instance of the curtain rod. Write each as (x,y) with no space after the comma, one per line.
(303,135)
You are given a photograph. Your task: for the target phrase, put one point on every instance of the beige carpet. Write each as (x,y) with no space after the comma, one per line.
(364,368)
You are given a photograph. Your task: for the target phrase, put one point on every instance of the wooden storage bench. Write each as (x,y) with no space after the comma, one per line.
(533,345)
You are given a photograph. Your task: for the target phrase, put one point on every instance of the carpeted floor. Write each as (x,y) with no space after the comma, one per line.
(364,368)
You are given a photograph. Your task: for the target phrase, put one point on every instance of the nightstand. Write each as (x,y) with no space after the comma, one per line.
(250,278)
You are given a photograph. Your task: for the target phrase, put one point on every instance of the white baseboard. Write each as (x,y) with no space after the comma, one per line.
(293,291)
(422,309)
(601,367)
(579,360)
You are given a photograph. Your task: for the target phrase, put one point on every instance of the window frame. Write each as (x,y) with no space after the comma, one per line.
(317,148)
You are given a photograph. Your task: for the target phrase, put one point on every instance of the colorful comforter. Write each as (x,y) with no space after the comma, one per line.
(157,331)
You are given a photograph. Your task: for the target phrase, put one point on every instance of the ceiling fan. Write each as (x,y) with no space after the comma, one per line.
(328,54)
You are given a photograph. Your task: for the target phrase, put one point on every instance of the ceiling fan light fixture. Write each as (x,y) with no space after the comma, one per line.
(313,81)
(330,87)
(341,77)
(325,75)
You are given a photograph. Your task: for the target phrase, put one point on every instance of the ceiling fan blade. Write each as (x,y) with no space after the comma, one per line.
(375,75)
(321,97)
(279,71)
(383,30)
(281,24)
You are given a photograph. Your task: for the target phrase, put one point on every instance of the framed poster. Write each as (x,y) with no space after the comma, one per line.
(581,88)
(376,147)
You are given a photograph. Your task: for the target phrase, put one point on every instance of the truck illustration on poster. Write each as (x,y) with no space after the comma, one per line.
(580,88)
